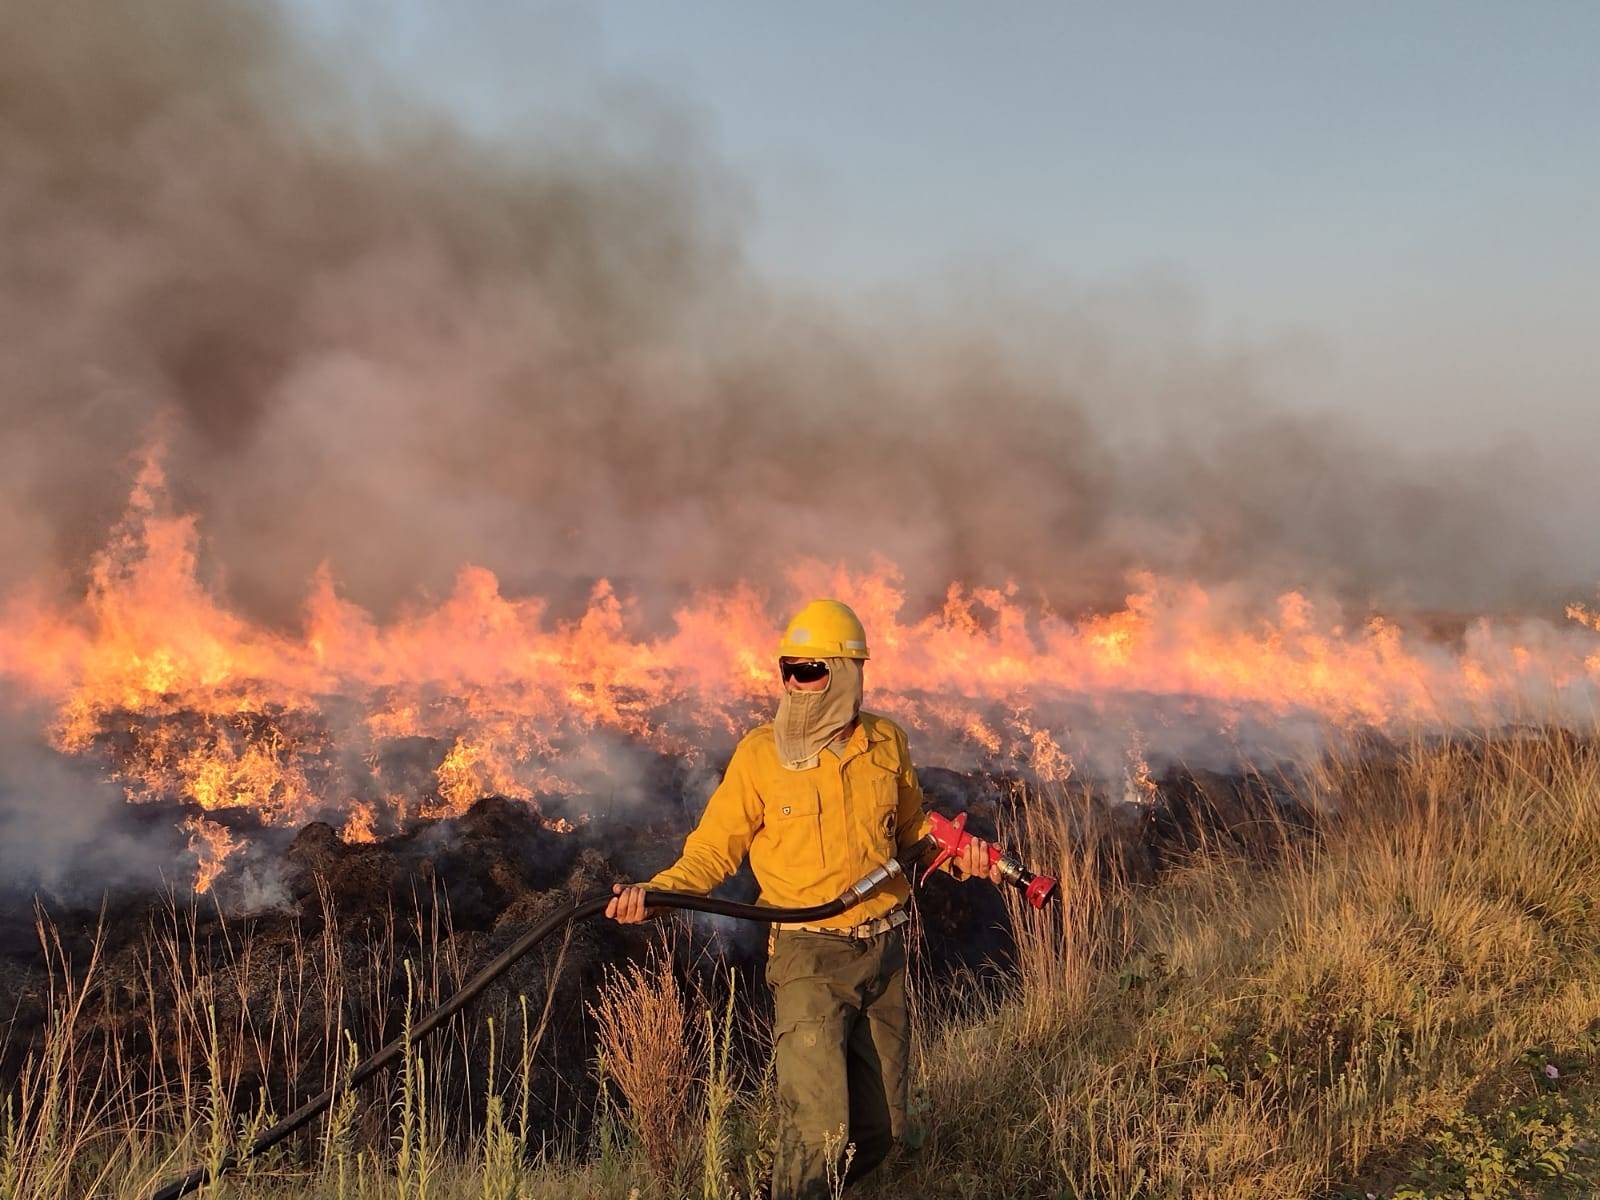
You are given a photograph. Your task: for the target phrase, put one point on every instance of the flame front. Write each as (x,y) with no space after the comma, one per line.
(184,699)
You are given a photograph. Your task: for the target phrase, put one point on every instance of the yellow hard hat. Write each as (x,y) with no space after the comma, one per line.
(824,629)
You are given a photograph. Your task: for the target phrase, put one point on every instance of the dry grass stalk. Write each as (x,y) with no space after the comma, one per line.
(650,1048)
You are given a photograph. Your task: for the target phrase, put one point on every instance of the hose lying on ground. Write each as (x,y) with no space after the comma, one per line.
(576,911)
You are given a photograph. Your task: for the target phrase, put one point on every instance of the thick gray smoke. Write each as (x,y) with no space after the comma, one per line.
(371,340)
(68,833)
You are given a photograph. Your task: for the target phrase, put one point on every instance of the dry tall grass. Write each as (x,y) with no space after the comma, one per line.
(1406,1003)
(1280,1032)
(649,1048)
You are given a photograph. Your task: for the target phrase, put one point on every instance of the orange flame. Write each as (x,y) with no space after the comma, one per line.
(186,699)
(211,844)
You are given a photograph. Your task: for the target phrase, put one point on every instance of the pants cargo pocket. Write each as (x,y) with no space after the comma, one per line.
(814,1105)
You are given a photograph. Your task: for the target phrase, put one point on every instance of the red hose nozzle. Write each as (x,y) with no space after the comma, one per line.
(1039,890)
(952,837)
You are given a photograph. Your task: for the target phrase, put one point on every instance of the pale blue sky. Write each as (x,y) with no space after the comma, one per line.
(1411,187)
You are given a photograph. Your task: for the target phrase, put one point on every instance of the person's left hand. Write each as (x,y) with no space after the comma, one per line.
(973,862)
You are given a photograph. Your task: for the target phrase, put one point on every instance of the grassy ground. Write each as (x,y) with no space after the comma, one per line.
(1406,1005)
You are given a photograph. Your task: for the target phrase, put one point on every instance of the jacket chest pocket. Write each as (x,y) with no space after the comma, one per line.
(794,819)
(878,777)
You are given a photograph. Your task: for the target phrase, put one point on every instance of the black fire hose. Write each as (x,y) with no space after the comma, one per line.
(576,911)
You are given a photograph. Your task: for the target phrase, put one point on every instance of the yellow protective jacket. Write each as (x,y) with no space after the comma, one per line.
(810,834)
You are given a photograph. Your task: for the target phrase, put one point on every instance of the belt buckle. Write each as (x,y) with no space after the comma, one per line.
(880,925)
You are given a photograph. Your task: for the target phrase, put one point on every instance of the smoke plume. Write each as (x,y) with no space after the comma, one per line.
(370,340)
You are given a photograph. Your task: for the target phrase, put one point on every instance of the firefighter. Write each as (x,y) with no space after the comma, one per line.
(817,798)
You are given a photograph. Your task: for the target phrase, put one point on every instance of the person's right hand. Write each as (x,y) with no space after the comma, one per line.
(626,904)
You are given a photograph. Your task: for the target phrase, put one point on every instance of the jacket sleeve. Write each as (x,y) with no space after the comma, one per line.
(719,842)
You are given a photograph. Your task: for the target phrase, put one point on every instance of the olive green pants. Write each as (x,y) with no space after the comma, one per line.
(842,1042)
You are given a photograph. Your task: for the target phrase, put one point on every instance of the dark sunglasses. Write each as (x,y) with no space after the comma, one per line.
(805,671)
